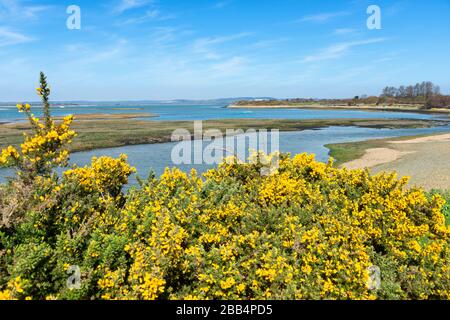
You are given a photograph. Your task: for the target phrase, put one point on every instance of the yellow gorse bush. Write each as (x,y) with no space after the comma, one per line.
(307,230)
(44,149)
(310,231)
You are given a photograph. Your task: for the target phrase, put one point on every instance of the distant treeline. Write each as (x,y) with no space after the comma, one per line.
(425,89)
(426,95)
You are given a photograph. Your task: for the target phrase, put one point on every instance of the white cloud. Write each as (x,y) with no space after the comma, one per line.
(344,31)
(32,12)
(222,39)
(205,46)
(88,55)
(125,5)
(163,37)
(149,15)
(338,50)
(221,4)
(153,14)
(14,8)
(264,44)
(347,75)
(322,17)
(229,67)
(8,37)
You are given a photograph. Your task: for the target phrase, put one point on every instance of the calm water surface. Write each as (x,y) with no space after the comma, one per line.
(177,112)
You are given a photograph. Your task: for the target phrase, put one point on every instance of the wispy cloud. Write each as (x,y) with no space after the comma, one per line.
(322,17)
(14,8)
(229,67)
(222,4)
(33,11)
(344,31)
(88,54)
(205,45)
(396,8)
(390,56)
(8,38)
(338,50)
(163,37)
(125,5)
(264,44)
(353,73)
(221,39)
(149,15)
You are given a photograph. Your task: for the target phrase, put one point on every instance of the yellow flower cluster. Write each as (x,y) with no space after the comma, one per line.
(105,174)
(23,108)
(8,155)
(49,141)
(307,231)
(14,289)
(42,150)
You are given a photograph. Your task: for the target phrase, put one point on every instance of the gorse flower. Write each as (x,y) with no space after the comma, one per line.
(106,175)
(23,108)
(9,156)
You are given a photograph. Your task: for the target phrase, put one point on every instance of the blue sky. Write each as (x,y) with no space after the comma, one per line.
(168,49)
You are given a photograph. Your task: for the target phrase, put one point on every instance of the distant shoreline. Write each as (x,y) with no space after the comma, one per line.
(93,117)
(414,109)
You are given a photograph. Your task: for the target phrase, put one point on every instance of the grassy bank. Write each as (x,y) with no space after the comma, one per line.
(345,152)
(96,134)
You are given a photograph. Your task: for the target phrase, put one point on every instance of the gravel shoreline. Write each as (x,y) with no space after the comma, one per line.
(426,160)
